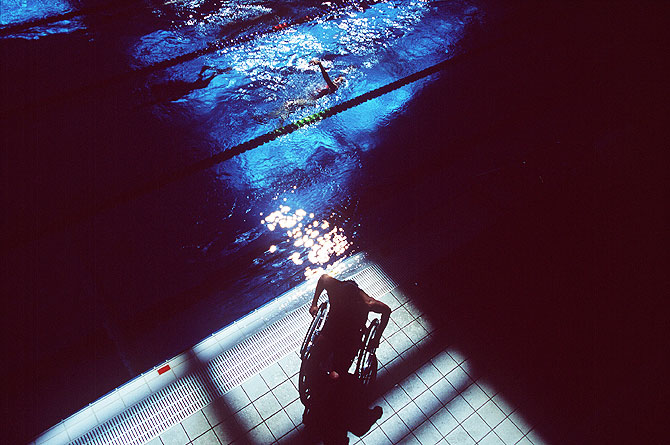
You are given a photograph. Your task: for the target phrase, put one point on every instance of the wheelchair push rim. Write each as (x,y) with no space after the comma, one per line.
(314,329)
(366,366)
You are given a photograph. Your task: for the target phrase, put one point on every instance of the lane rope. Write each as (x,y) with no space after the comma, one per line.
(161,181)
(182,58)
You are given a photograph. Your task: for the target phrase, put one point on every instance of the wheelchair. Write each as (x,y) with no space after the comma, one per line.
(365,358)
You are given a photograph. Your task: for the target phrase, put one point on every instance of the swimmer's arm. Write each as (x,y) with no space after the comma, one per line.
(322,284)
(380,308)
(326,77)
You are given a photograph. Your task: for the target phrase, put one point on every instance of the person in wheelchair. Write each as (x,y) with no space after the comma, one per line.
(340,338)
(333,398)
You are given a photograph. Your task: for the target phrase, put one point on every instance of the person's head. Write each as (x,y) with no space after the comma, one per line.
(339,80)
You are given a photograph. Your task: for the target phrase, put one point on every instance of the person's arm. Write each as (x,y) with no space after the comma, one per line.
(320,286)
(380,308)
(326,77)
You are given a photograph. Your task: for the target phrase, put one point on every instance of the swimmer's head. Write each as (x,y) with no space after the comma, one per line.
(339,80)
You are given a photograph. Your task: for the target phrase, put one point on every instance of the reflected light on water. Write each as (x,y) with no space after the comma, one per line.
(316,242)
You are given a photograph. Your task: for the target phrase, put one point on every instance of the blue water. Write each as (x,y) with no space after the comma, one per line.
(20,11)
(315,169)
(155,275)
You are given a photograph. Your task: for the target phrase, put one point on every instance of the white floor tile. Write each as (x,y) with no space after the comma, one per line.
(295,411)
(536,438)
(459,437)
(290,364)
(475,396)
(413,386)
(209,438)
(394,428)
(459,408)
(429,374)
(491,414)
(195,425)
(444,363)
(236,399)
(400,342)
(491,439)
(397,398)
(273,375)
(376,437)
(411,415)
(410,439)
(402,317)
(444,421)
(255,387)
(175,436)
(428,403)
(508,432)
(267,405)
(427,433)
(229,430)
(259,435)
(459,379)
(415,331)
(248,417)
(444,391)
(279,424)
(520,422)
(476,427)
(503,404)
(285,393)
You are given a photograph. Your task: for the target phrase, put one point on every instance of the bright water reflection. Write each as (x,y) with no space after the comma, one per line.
(316,241)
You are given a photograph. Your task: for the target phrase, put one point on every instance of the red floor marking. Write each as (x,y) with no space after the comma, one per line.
(164,369)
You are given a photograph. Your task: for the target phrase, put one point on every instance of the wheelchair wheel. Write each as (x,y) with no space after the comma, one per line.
(366,366)
(313,331)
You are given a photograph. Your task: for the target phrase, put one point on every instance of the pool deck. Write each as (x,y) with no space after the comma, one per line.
(240,385)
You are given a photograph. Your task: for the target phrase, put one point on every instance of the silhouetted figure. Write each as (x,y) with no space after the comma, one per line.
(349,308)
(176,89)
(338,405)
(339,402)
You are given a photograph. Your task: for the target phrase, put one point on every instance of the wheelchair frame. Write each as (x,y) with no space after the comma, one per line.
(366,358)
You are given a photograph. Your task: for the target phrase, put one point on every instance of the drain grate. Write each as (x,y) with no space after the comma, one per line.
(157,413)
(184,397)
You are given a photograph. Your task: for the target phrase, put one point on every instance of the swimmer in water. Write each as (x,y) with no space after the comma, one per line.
(176,89)
(331,86)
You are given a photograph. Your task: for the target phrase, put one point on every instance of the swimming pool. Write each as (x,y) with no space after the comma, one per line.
(155,275)
(312,171)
